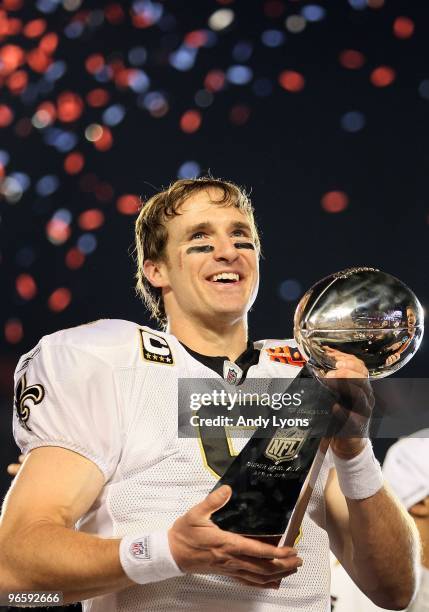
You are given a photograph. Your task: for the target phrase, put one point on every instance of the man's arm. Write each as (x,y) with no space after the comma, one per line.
(371,534)
(55,487)
(377,543)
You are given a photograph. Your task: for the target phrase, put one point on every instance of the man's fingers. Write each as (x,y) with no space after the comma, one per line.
(274,569)
(263,580)
(214,500)
(240,546)
(268,585)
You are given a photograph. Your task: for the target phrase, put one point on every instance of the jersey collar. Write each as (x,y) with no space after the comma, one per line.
(247,359)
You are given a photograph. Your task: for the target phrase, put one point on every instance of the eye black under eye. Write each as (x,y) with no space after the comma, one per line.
(245,245)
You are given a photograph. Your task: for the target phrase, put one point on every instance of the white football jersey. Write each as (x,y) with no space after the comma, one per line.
(108,390)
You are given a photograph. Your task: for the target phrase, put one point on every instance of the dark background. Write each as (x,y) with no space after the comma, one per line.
(290,148)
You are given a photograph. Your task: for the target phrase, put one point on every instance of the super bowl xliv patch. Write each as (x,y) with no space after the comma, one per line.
(155,348)
(286,354)
(23,395)
(140,549)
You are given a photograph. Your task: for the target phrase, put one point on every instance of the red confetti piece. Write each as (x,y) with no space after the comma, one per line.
(74,259)
(214,81)
(49,108)
(58,231)
(91,219)
(190,121)
(74,162)
(59,299)
(114,13)
(128,204)
(9,27)
(403,27)
(105,142)
(17,82)
(13,331)
(274,8)
(351,59)
(291,81)
(142,20)
(26,286)
(34,28)
(382,76)
(38,60)
(335,201)
(6,115)
(196,39)
(69,106)
(94,63)
(97,97)
(12,5)
(11,57)
(49,43)
(239,114)
(104,192)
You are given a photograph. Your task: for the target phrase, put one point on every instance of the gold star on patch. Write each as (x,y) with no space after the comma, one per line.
(161,358)
(147,355)
(155,357)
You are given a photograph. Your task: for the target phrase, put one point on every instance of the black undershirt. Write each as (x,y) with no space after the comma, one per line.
(248,358)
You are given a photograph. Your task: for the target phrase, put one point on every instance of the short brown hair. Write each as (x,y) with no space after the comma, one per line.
(151,232)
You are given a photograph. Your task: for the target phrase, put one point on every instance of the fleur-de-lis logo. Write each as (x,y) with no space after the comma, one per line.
(23,394)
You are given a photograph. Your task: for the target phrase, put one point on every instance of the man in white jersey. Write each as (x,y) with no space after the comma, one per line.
(113,508)
(406,470)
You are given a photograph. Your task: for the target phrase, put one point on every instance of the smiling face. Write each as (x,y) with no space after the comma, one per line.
(210,273)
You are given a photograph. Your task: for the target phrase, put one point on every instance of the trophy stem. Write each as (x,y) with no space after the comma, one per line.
(292,531)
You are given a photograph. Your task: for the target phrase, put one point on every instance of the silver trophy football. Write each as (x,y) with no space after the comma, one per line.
(360,311)
(364,312)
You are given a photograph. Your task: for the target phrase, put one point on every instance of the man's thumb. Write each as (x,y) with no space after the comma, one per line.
(216,499)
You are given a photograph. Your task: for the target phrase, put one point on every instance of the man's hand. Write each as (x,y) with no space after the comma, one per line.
(199,546)
(350,380)
(13,468)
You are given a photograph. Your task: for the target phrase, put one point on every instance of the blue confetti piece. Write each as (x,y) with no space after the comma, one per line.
(113,114)
(353,121)
(273,38)
(87,243)
(184,58)
(47,185)
(242,51)
(313,12)
(290,290)
(239,75)
(189,169)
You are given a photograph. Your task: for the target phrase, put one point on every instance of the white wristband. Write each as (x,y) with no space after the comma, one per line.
(147,558)
(360,477)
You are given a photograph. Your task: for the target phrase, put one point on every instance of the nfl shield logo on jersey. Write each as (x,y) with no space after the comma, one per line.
(231,372)
(285,445)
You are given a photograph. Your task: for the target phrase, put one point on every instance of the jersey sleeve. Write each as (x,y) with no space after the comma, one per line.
(65,396)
